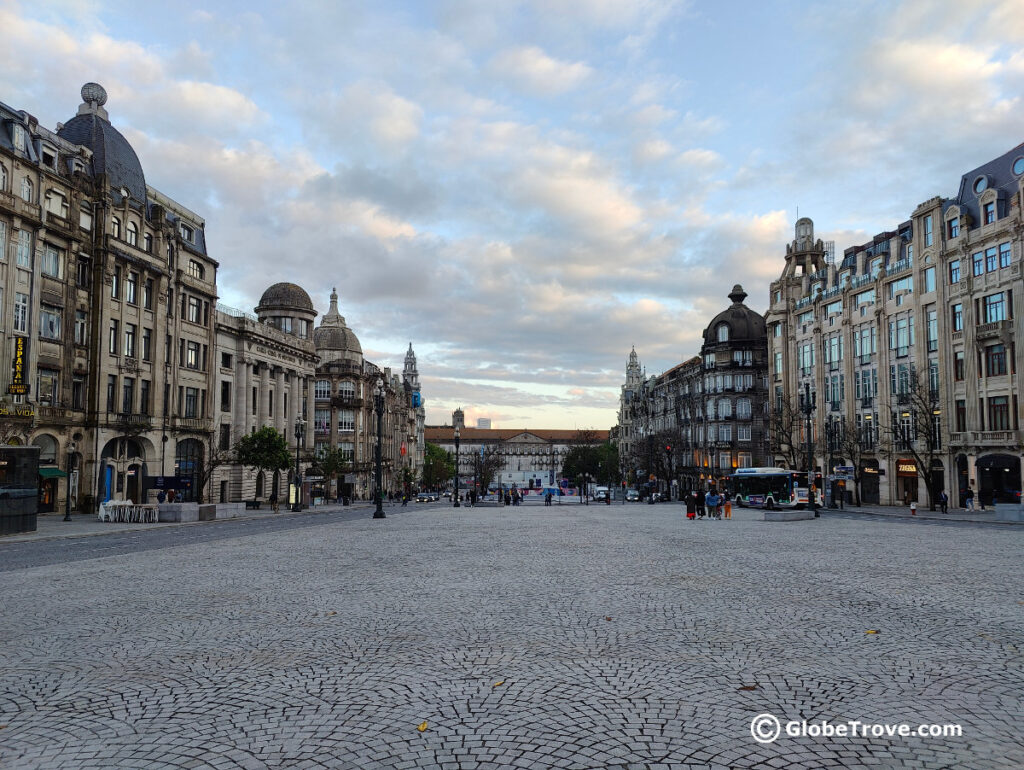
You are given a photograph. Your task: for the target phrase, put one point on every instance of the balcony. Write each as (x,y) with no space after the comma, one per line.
(54,415)
(992,330)
(866,402)
(859,280)
(987,438)
(835,406)
(130,421)
(195,424)
(349,401)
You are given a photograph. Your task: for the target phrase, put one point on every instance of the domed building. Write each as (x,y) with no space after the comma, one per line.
(693,425)
(287,307)
(344,418)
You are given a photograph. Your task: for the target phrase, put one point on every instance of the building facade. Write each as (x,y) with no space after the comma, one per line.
(907,347)
(692,426)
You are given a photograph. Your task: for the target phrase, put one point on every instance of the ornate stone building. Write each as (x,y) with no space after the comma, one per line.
(908,345)
(694,424)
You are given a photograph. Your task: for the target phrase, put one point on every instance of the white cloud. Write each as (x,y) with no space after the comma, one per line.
(533,71)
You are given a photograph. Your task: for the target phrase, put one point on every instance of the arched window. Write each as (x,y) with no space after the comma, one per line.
(115,227)
(147,243)
(195,269)
(347,389)
(47,448)
(133,234)
(26,189)
(259,485)
(722,332)
(3,177)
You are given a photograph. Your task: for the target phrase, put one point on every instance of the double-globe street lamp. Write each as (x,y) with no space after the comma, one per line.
(378,407)
(300,432)
(455,495)
(808,407)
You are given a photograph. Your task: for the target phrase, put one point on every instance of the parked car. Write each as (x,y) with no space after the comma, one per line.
(425,497)
(632,496)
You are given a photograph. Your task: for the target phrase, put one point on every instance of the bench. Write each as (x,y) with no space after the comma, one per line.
(253,504)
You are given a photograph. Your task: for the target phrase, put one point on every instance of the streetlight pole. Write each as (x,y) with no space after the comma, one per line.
(455,494)
(67,501)
(378,407)
(300,431)
(808,409)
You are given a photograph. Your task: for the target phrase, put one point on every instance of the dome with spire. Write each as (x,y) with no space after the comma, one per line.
(333,339)
(737,322)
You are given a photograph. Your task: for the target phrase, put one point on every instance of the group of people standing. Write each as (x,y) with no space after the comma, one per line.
(712,504)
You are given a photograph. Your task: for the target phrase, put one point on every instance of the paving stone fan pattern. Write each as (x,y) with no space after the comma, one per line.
(586,637)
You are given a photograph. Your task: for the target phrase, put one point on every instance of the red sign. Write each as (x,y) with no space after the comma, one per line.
(403,449)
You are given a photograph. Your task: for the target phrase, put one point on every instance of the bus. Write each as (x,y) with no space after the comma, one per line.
(773,488)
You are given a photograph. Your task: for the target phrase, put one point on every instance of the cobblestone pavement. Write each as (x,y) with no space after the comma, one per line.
(584,637)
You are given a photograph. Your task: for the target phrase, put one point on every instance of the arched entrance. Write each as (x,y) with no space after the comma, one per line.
(275,486)
(998,478)
(188,465)
(121,470)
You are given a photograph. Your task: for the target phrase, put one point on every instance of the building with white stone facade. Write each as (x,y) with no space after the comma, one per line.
(908,344)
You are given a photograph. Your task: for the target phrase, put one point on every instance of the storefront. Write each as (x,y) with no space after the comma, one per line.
(49,478)
(869,487)
(906,481)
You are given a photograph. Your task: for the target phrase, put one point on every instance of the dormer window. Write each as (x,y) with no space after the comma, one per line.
(187,233)
(19,138)
(196,270)
(722,332)
(49,157)
(55,203)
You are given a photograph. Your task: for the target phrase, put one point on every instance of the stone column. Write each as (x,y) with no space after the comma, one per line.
(264,408)
(279,415)
(239,425)
(246,400)
(310,405)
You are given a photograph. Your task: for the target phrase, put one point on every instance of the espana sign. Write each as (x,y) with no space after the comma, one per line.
(18,386)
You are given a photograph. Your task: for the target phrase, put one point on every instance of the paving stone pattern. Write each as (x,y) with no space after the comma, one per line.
(621,637)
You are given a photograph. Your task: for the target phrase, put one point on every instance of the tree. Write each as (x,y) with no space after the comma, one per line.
(330,463)
(914,428)
(855,445)
(785,426)
(489,465)
(438,466)
(214,457)
(264,450)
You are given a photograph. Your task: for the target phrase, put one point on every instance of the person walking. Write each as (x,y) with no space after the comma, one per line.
(969,497)
(691,506)
(273,502)
(699,503)
(943,500)
(711,502)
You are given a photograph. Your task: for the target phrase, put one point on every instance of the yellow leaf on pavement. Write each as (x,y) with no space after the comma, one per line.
(421,726)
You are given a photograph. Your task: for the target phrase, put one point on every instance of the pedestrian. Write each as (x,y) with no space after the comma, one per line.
(699,503)
(969,497)
(943,500)
(711,503)
(273,502)
(170,495)
(161,496)
(691,506)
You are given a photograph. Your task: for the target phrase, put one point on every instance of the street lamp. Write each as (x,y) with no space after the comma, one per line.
(67,501)
(455,494)
(808,409)
(378,407)
(300,432)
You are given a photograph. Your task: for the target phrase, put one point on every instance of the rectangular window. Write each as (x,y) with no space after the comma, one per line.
(929,279)
(995,360)
(225,395)
(954,227)
(225,437)
(988,215)
(115,284)
(994,308)
(24,250)
(725,433)
(20,312)
(81,327)
(191,402)
(928,238)
(991,259)
(225,360)
(999,413)
(147,294)
(129,340)
(113,338)
(83,273)
(192,355)
(111,393)
(3,241)
(144,387)
(321,420)
(195,308)
(932,317)
(78,392)
(961,415)
(51,261)
(128,395)
(954,271)
(957,317)
(48,386)
(49,322)
(958,366)
(147,344)
(1004,255)
(131,288)
(346,420)
(743,432)
(978,262)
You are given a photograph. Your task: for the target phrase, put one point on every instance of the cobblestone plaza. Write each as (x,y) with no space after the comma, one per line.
(527,637)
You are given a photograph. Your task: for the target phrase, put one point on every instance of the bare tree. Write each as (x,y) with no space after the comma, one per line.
(214,457)
(855,446)
(785,425)
(914,429)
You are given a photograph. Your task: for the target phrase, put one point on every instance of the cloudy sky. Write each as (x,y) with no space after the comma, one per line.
(525,189)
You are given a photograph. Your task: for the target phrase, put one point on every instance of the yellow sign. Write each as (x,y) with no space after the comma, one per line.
(18,386)
(16,410)
(906,466)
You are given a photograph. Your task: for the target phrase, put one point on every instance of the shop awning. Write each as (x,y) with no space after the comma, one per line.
(52,473)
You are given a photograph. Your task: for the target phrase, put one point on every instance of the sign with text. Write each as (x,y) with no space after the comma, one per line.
(18,386)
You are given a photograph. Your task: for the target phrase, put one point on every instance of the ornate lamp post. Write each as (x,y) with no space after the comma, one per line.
(300,432)
(378,407)
(455,494)
(808,407)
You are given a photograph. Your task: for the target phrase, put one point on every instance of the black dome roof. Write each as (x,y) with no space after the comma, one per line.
(285,295)
(744,323)
(111,153)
